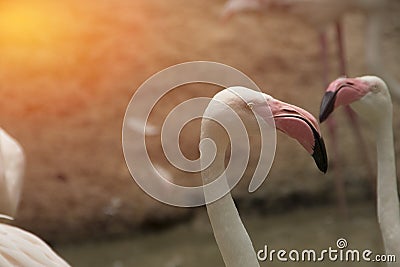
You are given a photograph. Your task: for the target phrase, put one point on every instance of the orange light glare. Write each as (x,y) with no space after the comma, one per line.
(29,23)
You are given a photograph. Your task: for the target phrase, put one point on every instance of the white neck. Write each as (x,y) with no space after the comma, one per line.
(11,173)
(5,202)
(388,202)
(231,235)
(6,209)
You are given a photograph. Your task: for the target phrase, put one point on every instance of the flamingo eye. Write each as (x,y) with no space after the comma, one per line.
(375,89)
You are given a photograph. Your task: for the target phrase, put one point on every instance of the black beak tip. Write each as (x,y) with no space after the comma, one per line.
(327,105)
(319,155)
(323,116)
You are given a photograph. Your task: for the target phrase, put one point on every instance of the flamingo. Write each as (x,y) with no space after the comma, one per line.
(231,236)
(370,98)
(18,247)
(320,14)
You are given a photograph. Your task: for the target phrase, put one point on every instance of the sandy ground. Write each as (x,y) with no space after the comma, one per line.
(67,77)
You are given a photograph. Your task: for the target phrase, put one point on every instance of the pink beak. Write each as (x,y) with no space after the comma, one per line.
(341,92)
(302,126)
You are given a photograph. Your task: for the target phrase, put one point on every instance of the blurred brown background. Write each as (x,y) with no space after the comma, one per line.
(69,68)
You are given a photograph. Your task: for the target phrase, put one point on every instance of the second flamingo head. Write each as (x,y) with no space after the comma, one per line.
(368,95)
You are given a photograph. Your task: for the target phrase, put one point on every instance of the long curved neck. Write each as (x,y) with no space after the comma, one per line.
(388,202)
(5,202)
(11,173)
(231,235)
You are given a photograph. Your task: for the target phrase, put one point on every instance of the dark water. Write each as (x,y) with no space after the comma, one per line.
(193,244)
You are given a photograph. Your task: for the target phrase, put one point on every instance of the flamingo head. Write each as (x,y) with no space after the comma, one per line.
(368,95)
(302,126)
(289,119)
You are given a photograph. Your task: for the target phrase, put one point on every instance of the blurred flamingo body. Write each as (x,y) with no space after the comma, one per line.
(21,248)
(18,247)
(231,236)
(322,13)
(373,45)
